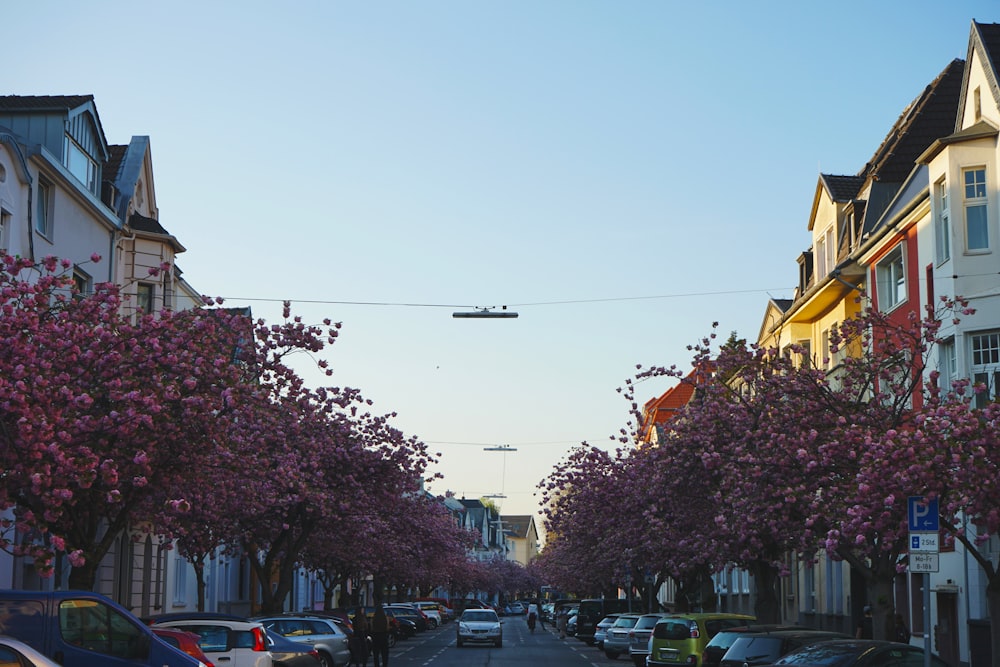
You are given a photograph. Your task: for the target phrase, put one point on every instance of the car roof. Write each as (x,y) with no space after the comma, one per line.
(698,616)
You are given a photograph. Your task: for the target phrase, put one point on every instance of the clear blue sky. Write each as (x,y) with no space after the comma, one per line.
(561,157)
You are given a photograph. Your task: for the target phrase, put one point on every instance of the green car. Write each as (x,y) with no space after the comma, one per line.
(680,639)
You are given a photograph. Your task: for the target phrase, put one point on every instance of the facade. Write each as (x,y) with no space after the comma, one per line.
(66,192)
(522,536)
(919,222)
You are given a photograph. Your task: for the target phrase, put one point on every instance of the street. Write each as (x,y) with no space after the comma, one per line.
(437,648)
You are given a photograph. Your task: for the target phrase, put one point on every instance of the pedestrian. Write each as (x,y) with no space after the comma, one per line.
(359,640)
(902,633)
(380,636)
(541,616)
(532,615)
(865,628)
(562,618)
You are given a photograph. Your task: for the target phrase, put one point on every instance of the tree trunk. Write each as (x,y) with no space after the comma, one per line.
(199,574)
(767,605)
(84,577)
(993,604)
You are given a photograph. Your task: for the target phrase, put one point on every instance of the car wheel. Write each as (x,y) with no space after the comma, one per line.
(392,639)
(325,661)
(434,624)
(640,661)
(612,654)
(459,643)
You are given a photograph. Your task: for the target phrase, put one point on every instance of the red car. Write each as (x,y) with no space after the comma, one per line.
(183,640)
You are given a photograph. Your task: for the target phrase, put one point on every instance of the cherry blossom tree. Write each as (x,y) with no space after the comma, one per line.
(102,416)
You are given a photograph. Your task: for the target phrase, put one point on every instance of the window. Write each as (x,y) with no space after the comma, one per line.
(942,228)
(4,230)
(83,282)
(985,365)
(825,348)
(180,581)
(97,627)
(947,364)
(144,297)
(976,231)
(825,253)
(80,165)
(43,217)
(890,280)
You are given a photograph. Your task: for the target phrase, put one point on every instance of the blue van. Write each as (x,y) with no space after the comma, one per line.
(84,629)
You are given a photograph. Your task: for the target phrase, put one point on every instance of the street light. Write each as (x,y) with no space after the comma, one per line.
(500,448)
(486,313)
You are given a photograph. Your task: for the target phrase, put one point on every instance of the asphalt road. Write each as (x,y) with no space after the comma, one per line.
(521,648)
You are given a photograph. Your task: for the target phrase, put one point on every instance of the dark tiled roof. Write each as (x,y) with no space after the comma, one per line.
(842,188)
(989,34)
(783,304)
(929,117)
(518,525)
(116,153)
(141,223)
(43,102)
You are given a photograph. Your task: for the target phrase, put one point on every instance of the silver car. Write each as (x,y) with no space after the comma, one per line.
(479,625)
(616,642)
(320,633)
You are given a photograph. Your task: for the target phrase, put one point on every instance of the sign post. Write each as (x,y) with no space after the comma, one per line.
(922,519)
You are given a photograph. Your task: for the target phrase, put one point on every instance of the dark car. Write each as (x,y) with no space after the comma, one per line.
(418,619)
(720,643)
(859,653)
(286,653)
(405,627)
(763,648)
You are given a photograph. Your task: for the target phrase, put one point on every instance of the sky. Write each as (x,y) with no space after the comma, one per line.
(620,174)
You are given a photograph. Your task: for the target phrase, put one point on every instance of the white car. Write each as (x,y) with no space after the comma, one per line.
(14,652)
(228,642)
(479,625)
(432,611)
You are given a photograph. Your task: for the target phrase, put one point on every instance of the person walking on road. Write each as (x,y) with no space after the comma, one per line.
(562,618)
(359,640)
(380,637)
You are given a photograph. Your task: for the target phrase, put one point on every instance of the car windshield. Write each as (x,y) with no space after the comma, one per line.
(626,621)
(481,616)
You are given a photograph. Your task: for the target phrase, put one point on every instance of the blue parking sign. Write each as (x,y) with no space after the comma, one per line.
(922,514)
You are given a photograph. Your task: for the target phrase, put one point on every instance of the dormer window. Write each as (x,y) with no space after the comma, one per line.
(81,165)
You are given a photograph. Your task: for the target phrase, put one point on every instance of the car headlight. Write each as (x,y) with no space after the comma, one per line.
(463,627)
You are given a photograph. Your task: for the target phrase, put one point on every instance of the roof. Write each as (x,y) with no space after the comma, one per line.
(518,525)
(930,116)
(43,102)
(842,188)
(141,223)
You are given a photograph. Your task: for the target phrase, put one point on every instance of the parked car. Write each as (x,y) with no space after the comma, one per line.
(479,625)
(286,653)
(516,609)
(601,630)
(18,654)
(858,653)
(638,637)
(227,642)
(763,648)
(412,613)
(571,622)
(616,642)
(591,611)
(720,643)
(84,629)
(405,627)
(320,633)
(681,638)
(184,641)
(431,611)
